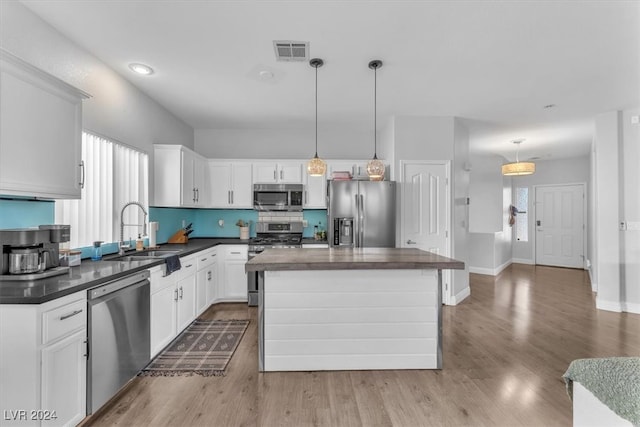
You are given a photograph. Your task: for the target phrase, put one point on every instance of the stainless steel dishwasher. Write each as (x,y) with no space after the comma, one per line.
(119,336)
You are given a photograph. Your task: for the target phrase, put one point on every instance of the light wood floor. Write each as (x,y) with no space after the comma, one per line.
(505,350)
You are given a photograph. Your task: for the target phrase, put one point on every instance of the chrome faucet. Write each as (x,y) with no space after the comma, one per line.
(121,245)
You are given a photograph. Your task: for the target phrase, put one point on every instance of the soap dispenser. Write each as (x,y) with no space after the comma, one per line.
(96,255)
(139,243)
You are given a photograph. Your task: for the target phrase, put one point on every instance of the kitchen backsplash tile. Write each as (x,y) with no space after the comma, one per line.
(16,213)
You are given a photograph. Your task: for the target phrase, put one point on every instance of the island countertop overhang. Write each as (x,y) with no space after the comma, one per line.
(288,259)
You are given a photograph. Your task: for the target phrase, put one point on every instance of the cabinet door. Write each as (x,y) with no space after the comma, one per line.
(235,281)
(188,197)
(242,186)
(213,290)
(200,181)
(315,192)
(186,300)
(265,173)
(220,189)
(40,132)
(64,369)
(202,281)
(163,318)
(290,173)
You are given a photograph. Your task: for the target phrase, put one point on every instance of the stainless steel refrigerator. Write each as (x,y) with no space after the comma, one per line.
(361,214)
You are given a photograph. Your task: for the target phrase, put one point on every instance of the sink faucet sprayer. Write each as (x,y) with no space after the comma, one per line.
(121,245)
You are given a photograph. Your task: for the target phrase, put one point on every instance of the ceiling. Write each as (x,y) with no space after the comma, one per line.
(496,64)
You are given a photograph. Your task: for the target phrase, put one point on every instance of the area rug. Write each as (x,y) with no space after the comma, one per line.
(204,348)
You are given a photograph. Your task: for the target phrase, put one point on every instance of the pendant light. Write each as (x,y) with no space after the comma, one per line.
(518,168)
(316,166)
(375,168)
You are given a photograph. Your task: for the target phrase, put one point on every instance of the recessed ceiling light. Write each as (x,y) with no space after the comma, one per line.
(549,106)
(145,70)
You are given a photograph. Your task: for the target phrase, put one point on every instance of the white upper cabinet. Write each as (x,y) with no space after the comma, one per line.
(230,184)
(315,189)
(180,177)
(40,132)
(277,172)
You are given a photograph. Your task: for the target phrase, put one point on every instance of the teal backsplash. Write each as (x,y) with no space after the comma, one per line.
(16,213)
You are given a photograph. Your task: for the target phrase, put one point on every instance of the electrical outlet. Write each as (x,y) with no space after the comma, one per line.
(305,223)
(184,223)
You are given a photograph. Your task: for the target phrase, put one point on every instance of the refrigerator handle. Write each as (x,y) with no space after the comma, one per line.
(362,214)
(356,225)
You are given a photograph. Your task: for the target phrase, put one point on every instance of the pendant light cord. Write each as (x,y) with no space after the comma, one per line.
(375,112)
(316,111)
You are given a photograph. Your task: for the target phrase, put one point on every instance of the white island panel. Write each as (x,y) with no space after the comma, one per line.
(351,319)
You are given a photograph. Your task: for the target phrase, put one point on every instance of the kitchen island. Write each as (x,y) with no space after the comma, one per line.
(350,309)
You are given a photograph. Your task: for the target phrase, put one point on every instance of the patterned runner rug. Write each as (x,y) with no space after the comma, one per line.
(204,348)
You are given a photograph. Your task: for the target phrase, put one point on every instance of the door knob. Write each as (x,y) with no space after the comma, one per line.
(410,242)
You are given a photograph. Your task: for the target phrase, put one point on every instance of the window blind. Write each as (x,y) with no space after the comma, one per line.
(115,175)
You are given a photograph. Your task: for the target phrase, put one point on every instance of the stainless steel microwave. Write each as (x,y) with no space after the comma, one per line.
(278,197)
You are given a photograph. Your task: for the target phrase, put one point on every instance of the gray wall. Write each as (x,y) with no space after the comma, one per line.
(116,109)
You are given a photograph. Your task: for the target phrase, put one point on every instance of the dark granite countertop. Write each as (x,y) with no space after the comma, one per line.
(350,259)
(93,273)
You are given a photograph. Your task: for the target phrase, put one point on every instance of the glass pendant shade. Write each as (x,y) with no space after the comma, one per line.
(518,168)
(375,169)
(316,166)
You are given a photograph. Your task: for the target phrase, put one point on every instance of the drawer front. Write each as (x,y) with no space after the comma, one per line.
(63,321)
(189,264)
(236,252)
(206,258)
(159,280)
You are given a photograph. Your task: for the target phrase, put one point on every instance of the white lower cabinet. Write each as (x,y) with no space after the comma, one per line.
(233,278)
(43,362)
(173,302)
(64,380)
(207,279)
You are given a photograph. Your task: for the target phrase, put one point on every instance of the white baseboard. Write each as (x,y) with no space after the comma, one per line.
(522,261)
(460,296)
(594,285)
(631,307)
(480,270)
(608,305)
(489,271)
(499,268)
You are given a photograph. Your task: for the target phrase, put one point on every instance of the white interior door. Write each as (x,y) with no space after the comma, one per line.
(560,225)
(425,211)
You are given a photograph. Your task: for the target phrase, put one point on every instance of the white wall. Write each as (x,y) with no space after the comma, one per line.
(562,171)
(491,252)
(486,194)
(608,261)
(116,109)
(630,204)
(441,138)
(333,143)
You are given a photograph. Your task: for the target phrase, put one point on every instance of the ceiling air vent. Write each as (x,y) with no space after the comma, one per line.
(287,50)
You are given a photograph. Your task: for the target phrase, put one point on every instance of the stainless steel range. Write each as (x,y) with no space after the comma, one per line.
(271,235)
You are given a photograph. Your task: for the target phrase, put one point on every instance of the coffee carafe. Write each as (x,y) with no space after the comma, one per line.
(32,253)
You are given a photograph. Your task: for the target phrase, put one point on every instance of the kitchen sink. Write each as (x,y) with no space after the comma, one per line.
(138,256)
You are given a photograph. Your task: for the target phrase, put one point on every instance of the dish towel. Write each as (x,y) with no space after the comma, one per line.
(615,381)
(173,263)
